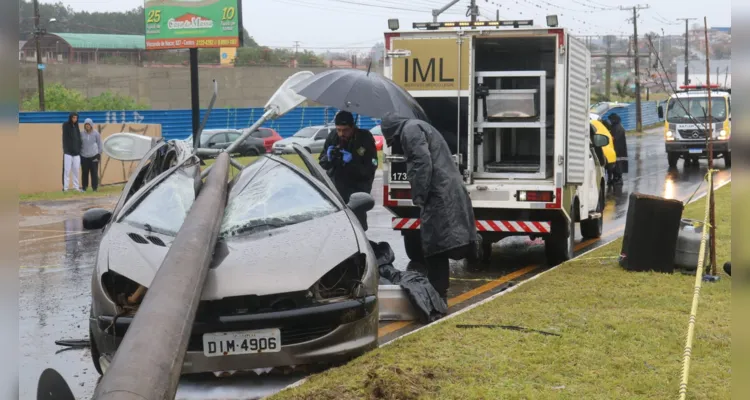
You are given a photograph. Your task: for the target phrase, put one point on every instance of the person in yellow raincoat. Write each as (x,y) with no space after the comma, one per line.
(608,151)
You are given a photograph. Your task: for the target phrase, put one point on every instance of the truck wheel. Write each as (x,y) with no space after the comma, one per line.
(728,160)
(672,159)
(592,228)
(413,246)
(559,246)
(486,255)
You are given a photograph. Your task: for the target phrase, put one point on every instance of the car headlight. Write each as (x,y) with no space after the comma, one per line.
(723,134)
(669,135)
(343,280)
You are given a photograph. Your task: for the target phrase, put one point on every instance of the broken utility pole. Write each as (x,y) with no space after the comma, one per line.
(710,137)
(687,48)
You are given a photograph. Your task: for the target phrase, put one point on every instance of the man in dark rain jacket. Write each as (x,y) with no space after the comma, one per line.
(350,157)
(448,228)
(71,143)
(621,148)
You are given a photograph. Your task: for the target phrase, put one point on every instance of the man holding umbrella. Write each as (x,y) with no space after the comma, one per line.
(448,228)
(350,158)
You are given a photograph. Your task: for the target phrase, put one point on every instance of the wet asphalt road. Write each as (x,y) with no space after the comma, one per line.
(57,261)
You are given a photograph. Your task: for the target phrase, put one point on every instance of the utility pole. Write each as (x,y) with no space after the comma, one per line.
(474,10)
(608,70)
(638,116)
(687,55)
(296,52)
(39,63)
(710,137)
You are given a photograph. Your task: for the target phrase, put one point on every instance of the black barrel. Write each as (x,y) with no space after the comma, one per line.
(651,230)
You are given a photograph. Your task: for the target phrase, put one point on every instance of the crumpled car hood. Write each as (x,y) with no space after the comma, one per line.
(282,260)
(288,141)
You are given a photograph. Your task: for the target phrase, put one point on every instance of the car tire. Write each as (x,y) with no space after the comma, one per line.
(672,159)
(413,246)
(94,353)
(728,159)
(593,228)
(559,246)
(253,153)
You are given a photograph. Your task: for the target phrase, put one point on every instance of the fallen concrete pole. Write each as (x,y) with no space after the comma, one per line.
(148,362)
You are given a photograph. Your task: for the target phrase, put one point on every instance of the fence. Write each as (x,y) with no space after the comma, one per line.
(649,114)
(177,124)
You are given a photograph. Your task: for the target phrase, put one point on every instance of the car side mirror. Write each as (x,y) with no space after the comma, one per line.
(361,202)
(661,112)
(96,218)
(600,140)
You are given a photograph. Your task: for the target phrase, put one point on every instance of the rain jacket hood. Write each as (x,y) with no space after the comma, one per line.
(391,125)
(88,121)
(70,117)
(615,119)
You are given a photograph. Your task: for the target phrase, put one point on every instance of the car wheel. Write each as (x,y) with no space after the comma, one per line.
(728,160)
(253,153)
(592,228)
(413,246)
(672,159)
(559,246)
(94,353)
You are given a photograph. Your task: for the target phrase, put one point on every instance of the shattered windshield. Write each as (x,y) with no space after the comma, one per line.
(273,196)
(163,210)
(306,133)
(686,109)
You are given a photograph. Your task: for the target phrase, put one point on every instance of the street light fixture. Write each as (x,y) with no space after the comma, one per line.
(552,21)
(393,24)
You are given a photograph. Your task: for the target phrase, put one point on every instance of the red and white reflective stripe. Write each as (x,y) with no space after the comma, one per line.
(484,225)
(405,223)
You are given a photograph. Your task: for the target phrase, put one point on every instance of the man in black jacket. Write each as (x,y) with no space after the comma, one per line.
(350,158)
(71,142)
(621,148)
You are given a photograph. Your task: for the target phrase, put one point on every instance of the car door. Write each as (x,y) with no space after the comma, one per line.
(218,141)
(316,170)
(320,139)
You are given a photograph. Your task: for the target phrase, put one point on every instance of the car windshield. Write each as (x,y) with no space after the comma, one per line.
(686,109)
(270,195)
(178,191)
(306,133)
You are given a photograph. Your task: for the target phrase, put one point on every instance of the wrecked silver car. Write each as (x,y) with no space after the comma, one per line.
(293,280)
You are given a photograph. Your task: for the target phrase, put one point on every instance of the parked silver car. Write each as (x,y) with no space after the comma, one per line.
(262,306)
(312,138)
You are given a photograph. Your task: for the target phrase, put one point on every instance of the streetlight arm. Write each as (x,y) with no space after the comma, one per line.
(437,12)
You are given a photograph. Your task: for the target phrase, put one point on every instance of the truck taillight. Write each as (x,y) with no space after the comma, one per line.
(539,196)
(401,194)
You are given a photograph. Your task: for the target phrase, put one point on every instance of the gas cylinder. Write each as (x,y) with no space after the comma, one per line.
(689,244)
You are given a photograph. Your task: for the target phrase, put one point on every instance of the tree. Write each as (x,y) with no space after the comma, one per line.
(59,98)
(623,90)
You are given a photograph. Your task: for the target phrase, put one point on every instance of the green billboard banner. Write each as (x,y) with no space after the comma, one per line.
(184,24)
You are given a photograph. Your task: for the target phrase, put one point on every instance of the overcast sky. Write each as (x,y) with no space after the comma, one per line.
(320,24)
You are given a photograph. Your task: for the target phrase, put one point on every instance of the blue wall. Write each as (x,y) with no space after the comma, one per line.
(177,124)
(649,114)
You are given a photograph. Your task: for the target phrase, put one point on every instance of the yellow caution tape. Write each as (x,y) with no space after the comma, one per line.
(696,294)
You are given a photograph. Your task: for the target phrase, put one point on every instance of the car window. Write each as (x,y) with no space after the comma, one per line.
(178,190)
(218,138)
(306,133)
(271,195)
(266,133)
(232,136)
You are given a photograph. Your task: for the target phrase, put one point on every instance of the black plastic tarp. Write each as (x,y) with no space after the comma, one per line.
(423,296)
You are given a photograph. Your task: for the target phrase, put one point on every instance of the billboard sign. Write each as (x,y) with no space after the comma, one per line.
(184,24)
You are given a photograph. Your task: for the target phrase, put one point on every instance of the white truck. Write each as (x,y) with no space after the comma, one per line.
(512,101)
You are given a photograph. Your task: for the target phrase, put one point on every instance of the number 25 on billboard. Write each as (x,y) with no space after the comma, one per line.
(228,14)
(154,17)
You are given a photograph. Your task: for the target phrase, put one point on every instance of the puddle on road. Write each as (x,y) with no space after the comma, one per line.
(34,214)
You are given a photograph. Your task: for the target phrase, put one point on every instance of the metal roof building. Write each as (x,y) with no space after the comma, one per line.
(85,48)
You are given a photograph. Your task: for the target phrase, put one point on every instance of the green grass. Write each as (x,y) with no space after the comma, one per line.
(623,335)
(104,191)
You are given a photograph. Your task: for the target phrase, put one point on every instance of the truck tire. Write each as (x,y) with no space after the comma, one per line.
(592,228)
(672,159)
(728,159)
(559,246)
(413,246)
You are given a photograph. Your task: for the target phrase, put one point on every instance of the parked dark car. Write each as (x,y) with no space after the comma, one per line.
(268,136)
(222,138)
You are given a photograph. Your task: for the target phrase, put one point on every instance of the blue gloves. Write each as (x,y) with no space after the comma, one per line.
(328,152)
(347,156)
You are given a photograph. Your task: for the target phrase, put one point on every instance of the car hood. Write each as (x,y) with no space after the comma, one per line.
(288,141)
(282,260)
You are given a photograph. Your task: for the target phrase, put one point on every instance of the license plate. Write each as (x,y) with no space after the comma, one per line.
(695,151)
(398,176)
(241,342)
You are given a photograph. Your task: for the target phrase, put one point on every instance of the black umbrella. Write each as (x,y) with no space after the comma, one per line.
(360,92)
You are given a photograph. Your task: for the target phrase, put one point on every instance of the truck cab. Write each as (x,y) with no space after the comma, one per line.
(687,126)
(512,102)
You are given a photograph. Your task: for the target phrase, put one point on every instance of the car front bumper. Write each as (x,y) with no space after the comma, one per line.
(319,334)
(686,147)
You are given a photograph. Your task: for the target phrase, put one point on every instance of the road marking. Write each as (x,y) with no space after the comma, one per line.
(51,237)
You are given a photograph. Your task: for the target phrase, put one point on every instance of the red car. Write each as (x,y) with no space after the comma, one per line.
(269,137)
(379,139)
